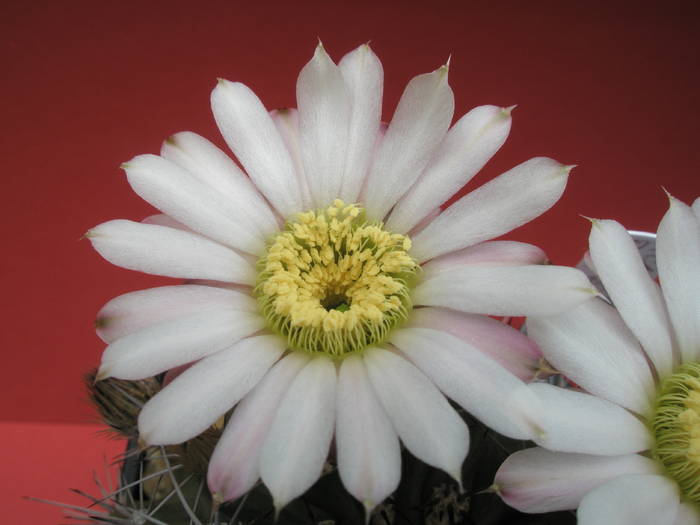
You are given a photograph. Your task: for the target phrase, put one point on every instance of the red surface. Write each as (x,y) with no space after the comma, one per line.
(88,85)
(44,461)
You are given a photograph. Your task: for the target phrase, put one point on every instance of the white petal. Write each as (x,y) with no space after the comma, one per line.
(202,394)
(696,208)
(593,347)
(688,514)
(323,100)
(634,499)
(364,78)
(479,384)
(490,252)
(216,169)
(499,206)
(467,147)
(505,290)
(251,134)
(422,417)
(134,311)
(166,345)
(160,250)
(504,344)
(420,122)
(536,480)
(369,456)
(162,219)
(585,424)
(677,256)
(234,465)
(287,122)
(174,191)
(635,295)
(297,444)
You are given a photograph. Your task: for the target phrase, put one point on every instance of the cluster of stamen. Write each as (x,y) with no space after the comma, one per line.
(333,282)
(676,427)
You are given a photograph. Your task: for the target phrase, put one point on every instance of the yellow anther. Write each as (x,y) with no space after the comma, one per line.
(676,426)
(333,283)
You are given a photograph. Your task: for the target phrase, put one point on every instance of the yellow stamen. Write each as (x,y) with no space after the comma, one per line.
(676,427)
(332,282)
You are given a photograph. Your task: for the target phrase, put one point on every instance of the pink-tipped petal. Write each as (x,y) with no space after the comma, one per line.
(473,380)
(297,443)
(505,290)
(250,133)
(504,344)
(198,397)
(419,124)
(203,209)
(134,311)
(466,148)
(585,424)
(635,295)
(677,256)
(287,123)
(160,250)
(234,465)
(364,78)
(161,219)
(216,169)
(422,417)
(497,207)
(324,102)
(369,455)
(162,346)
(593,347)
(488,253)
(538,480)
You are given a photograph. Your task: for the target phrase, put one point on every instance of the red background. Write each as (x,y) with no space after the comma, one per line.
(87,85)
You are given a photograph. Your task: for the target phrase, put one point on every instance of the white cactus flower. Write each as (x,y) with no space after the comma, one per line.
(329,295)
(627,450)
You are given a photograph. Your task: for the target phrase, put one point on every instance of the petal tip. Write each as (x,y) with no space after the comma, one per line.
(457,476)
(217,499)
(321,56)
(594,222)
(567,169)
(278,506)
(443,71)
(102,374)
(506,111)
(142,443)
(495,488)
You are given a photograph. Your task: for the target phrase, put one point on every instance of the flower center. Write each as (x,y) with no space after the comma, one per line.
(676,427)
(335,283)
